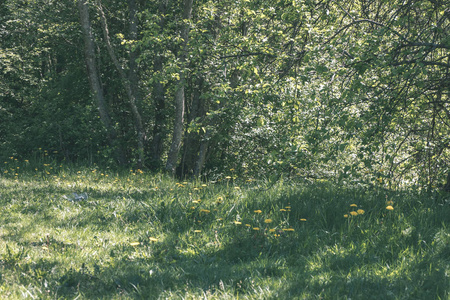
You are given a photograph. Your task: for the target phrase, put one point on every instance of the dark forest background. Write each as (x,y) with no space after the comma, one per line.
(352,91)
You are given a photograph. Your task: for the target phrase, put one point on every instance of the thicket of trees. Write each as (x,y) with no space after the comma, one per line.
(352,90)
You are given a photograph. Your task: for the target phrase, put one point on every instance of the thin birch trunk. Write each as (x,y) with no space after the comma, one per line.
(179,94)
(131,94)
(94,79)
(202,154)
(159,96)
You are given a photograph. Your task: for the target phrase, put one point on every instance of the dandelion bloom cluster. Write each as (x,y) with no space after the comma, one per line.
(354,212)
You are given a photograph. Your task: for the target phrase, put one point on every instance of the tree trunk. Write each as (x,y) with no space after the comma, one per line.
(447,184)
(160,116)
(94,79)
(133,31)
(131,94)
(192,140)
(159,97)
(133,78)
(179,94)
(202,154)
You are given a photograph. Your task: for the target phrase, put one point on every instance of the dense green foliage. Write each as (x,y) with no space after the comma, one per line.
(134,235)
(354,91)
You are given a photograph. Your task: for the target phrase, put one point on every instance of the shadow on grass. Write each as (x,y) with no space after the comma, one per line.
(424,278)
(239,265)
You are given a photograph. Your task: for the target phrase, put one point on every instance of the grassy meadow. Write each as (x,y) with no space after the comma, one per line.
(142,236)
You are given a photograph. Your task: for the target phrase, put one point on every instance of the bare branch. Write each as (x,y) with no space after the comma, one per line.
(366,21)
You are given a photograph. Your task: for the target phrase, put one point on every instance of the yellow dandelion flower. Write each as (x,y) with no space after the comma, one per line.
(135,244)
(288,207)
(152,239)
(288,229)
(197,231)
(255,228)
(303,220)
(353,213)
(228,177)
(389,207)
(204,211)
(282,209)
(258,211)
(360,211)
(272,230)
(237,222)
(248,225)
(353,205)
(345,216)
(268,221)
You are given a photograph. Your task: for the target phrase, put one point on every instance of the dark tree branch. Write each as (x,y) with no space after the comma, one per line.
(246,54)
(407,42)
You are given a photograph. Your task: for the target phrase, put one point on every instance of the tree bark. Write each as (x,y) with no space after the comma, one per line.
(192,140)
(133,31)
(202,154)
(447,184)
(134,85)
(158,132)
(179,94)
(131,93)
(94,79)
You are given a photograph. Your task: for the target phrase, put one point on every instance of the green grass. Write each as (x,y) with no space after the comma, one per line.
(146,236)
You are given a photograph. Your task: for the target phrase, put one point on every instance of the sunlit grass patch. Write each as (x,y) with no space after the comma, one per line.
(138,234)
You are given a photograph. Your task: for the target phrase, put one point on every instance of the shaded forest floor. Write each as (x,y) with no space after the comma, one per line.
(134,235)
